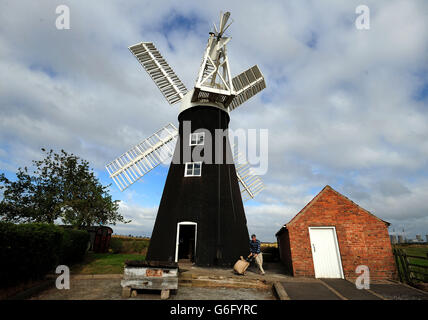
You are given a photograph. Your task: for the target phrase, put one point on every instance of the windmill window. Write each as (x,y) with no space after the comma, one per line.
(193,169)
(197,138)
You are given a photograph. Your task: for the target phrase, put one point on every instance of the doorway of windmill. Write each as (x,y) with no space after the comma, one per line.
(186,242)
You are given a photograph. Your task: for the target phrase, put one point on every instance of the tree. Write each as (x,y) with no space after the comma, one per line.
(61,186)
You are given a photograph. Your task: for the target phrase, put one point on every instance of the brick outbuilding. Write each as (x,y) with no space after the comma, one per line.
(331,236)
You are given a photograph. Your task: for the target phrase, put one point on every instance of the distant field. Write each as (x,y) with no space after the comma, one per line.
(129,245)
(418,251)
(129,238)
(269,244)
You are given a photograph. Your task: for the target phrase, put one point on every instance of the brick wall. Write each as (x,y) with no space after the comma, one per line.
(284,249)
(363,239)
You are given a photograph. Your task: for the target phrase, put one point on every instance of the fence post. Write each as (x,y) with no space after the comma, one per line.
(410,272)
(405,266)
(397,263)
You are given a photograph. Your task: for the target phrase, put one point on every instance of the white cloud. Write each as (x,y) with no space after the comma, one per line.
(143,219)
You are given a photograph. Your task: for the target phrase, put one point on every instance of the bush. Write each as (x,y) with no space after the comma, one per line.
(133,246)
(28,251)
(128,245)
(31,250)
(116,245)
(74,246)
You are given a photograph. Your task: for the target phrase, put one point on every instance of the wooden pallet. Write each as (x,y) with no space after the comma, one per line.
(150,278)
(128,292)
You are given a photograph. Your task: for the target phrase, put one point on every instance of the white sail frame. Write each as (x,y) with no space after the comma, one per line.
(247,84)
(250,183)
(144,157)
(161,73)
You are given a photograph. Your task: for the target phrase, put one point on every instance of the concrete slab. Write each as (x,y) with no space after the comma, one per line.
(274,272)
(110,289)
(85,289)
(222,294)
(295,288)
(397,291)
(309,290)
(194,283)
(349,290)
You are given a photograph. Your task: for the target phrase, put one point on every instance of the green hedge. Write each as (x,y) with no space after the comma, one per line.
(30,251)
(74,245)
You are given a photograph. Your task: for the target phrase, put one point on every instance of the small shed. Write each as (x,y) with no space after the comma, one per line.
(331,236)
(99,238)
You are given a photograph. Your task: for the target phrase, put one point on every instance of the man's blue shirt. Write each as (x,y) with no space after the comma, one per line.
(255,246)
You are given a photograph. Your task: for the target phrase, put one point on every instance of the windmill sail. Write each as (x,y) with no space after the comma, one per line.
(161,73)
(246,85)
(249,183)
(134,164)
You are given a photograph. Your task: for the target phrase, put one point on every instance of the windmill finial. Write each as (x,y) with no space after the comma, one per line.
(214,84)
(224,17)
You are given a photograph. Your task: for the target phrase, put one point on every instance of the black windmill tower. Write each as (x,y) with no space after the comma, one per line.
(201,214)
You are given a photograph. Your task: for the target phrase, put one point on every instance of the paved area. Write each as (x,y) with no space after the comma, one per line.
(110,289)
(196,283)
(223,294)
(340,289)
(274,272)
(85,289)
(308,291)
(398,292)
(349,291)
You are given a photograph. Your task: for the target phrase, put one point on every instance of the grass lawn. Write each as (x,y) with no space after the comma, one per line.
(104,263)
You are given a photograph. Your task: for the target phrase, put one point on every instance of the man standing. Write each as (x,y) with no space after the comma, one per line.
(255,251)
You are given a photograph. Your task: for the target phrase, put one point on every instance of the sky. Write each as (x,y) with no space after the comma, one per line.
(343,107)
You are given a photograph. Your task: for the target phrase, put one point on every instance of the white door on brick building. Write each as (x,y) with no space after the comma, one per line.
(325,252)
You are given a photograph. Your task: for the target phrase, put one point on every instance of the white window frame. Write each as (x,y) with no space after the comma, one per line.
(197,134)
(178,236)
(193,169)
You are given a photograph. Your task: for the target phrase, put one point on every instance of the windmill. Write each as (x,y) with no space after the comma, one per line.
(201,214)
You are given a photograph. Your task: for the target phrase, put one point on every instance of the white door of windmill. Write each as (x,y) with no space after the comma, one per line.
(187,238)
(325,252)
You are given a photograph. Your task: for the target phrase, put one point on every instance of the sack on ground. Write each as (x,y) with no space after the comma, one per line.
(241,265)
